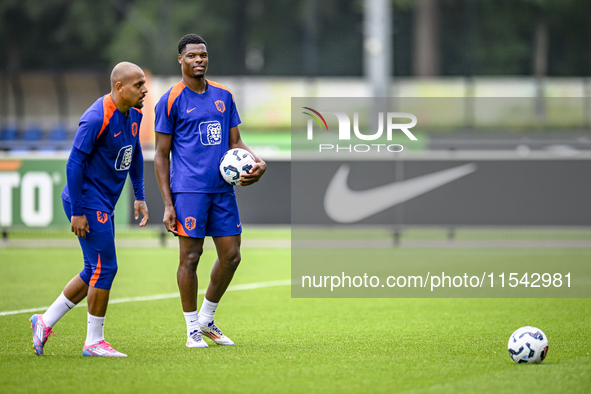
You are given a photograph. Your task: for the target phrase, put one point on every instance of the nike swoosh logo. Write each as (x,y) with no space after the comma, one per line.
(118,134)
(238,225)
(189,110)
(344,205)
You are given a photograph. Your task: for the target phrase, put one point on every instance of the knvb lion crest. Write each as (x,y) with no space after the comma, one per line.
(102,216)
(190,223)
(210,132)
(214,133)
(220,106)
(134,129)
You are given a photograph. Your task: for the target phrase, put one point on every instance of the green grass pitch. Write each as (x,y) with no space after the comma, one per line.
(284,345)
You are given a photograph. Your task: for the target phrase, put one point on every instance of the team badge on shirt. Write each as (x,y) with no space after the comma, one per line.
(134,129)
(123,161)
(220,106)
(210,132)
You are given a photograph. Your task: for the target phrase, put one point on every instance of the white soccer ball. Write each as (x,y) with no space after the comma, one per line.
(528,345)
(234,164)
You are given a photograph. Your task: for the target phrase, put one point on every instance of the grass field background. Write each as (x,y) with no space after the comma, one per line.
(284,345)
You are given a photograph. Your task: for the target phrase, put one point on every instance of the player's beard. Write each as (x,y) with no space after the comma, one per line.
(139,104)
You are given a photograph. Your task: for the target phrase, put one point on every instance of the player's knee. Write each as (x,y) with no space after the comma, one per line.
(231,260)
(191,258)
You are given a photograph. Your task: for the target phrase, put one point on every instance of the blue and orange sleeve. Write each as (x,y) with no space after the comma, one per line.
(136,172)
(220,86)
(231,104)
(93,124)
(74,175)
(234,117)
(165,109)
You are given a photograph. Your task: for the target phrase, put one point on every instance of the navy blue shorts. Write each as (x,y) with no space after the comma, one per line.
(207,214)
(100,259)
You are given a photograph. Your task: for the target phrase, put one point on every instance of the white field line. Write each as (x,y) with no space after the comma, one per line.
(247,286)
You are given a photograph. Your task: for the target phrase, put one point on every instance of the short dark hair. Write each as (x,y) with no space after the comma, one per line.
(190,39)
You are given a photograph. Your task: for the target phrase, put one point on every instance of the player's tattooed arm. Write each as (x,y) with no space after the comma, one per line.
(141,206)
(260,166)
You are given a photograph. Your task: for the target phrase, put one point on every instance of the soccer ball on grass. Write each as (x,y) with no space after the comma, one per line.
(528,345)
(234,164)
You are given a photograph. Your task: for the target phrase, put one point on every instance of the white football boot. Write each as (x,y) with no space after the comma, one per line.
(213,332)
(195,340)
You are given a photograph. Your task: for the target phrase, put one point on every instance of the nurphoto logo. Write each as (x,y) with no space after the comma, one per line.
(345,131)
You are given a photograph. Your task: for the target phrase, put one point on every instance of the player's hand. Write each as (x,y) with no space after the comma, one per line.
(170,219)
(140,206)
(255,173)
(80,226)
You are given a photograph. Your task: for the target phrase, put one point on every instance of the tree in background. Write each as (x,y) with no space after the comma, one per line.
(274,37)
(55,34)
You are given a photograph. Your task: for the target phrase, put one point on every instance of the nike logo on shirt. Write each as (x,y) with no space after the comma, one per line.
(118,133)
(189,110)
(344,205)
